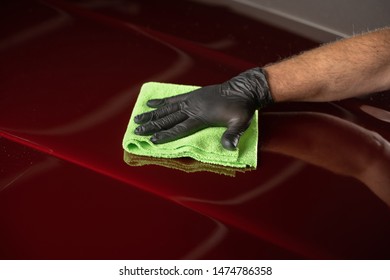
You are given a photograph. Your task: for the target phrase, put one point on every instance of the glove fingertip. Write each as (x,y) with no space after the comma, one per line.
(229,142)
(157,138)
(154,103)
(154,139)
(139,119)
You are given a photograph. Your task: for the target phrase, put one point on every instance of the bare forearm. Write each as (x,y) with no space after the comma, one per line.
(346,68)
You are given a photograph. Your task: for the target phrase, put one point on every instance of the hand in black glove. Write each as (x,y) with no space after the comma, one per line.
(230,104)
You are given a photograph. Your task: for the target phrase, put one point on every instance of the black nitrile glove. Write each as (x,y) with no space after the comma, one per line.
(230,104)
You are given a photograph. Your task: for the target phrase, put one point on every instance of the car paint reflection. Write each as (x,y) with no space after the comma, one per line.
(283,175)
(48,25)
(331,143)
(9,179)
(205,246)
(377,113)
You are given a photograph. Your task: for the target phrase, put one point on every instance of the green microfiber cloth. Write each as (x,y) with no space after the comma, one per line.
(204,145)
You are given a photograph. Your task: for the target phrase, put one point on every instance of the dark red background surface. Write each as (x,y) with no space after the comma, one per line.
(70,73)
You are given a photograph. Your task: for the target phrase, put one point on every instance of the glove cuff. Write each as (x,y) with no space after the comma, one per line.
(252,83)
(257,77)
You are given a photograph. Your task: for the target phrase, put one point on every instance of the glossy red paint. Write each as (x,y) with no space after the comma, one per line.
(70,74)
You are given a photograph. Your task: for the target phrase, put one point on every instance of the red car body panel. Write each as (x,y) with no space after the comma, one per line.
(70,74)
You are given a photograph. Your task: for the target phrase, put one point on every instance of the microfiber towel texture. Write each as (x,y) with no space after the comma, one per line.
(203,145)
